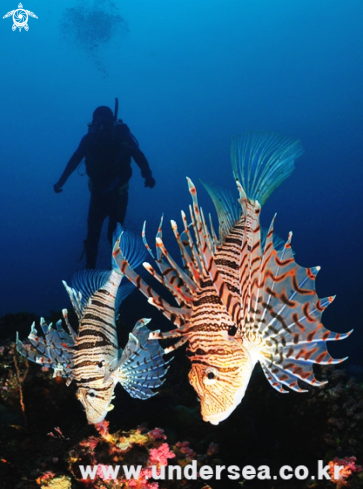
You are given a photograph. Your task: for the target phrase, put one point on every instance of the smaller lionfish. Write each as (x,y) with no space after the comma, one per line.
(241,298)
(92,357)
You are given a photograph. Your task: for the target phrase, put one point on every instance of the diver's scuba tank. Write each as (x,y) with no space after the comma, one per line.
(116,110)
(112,127)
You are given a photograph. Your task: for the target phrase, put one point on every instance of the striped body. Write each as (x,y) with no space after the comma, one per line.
(96,351)
(92,357)
(221,365)
(240,301)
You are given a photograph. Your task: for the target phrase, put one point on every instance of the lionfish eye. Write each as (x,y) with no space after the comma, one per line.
(232,330)
(91,394)
(100,364)
(211,375)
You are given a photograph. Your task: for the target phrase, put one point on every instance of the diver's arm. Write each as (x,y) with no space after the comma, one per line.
(142,163)
(72,164)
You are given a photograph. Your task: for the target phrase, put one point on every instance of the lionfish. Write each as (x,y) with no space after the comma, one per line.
(92,357)
(241,299)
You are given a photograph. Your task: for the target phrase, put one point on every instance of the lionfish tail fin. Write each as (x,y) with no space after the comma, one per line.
(54,350)
(141,367)
(261,161)
(287,312)
(227,207)
(132,247)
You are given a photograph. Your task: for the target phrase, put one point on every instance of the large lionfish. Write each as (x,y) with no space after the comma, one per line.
(92,357)
(240,300)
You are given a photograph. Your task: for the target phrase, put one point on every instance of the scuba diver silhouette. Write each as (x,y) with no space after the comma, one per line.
(107,149)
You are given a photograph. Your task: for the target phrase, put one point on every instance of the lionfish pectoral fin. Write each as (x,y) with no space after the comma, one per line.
(53,351)
(70,329)
(273,380)
(143,367)
(69,380)
(28,353)
(288,313)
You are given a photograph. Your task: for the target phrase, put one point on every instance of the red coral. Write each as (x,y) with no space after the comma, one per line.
(213,449)
(184,448)
(102,427)
(349,468)
(157,433)
(47,475)
(91,442)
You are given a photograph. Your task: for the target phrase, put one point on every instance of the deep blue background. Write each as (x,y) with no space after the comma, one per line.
(189,74)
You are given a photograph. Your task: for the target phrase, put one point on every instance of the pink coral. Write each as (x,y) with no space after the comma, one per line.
(159,456)
(101,473)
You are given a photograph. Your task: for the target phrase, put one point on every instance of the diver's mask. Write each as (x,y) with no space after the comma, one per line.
(100,126)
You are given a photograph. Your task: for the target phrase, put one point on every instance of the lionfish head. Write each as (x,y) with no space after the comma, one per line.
(96,401)
(220,377)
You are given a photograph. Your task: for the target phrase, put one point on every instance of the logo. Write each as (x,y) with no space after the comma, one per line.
(20,17)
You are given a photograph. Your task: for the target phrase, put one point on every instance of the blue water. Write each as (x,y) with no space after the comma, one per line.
(189,74)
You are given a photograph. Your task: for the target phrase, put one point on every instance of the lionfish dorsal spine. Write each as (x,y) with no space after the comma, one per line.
(188,264)
(196,263)
(177,319)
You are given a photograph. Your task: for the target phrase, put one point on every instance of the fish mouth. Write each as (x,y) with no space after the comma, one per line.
(215,419)
(96,420)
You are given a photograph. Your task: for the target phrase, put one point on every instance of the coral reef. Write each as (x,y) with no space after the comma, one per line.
(44,435)
(342,469)
(112,455)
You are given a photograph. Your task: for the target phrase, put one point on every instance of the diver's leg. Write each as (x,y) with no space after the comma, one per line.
(117,213)
(96,216)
